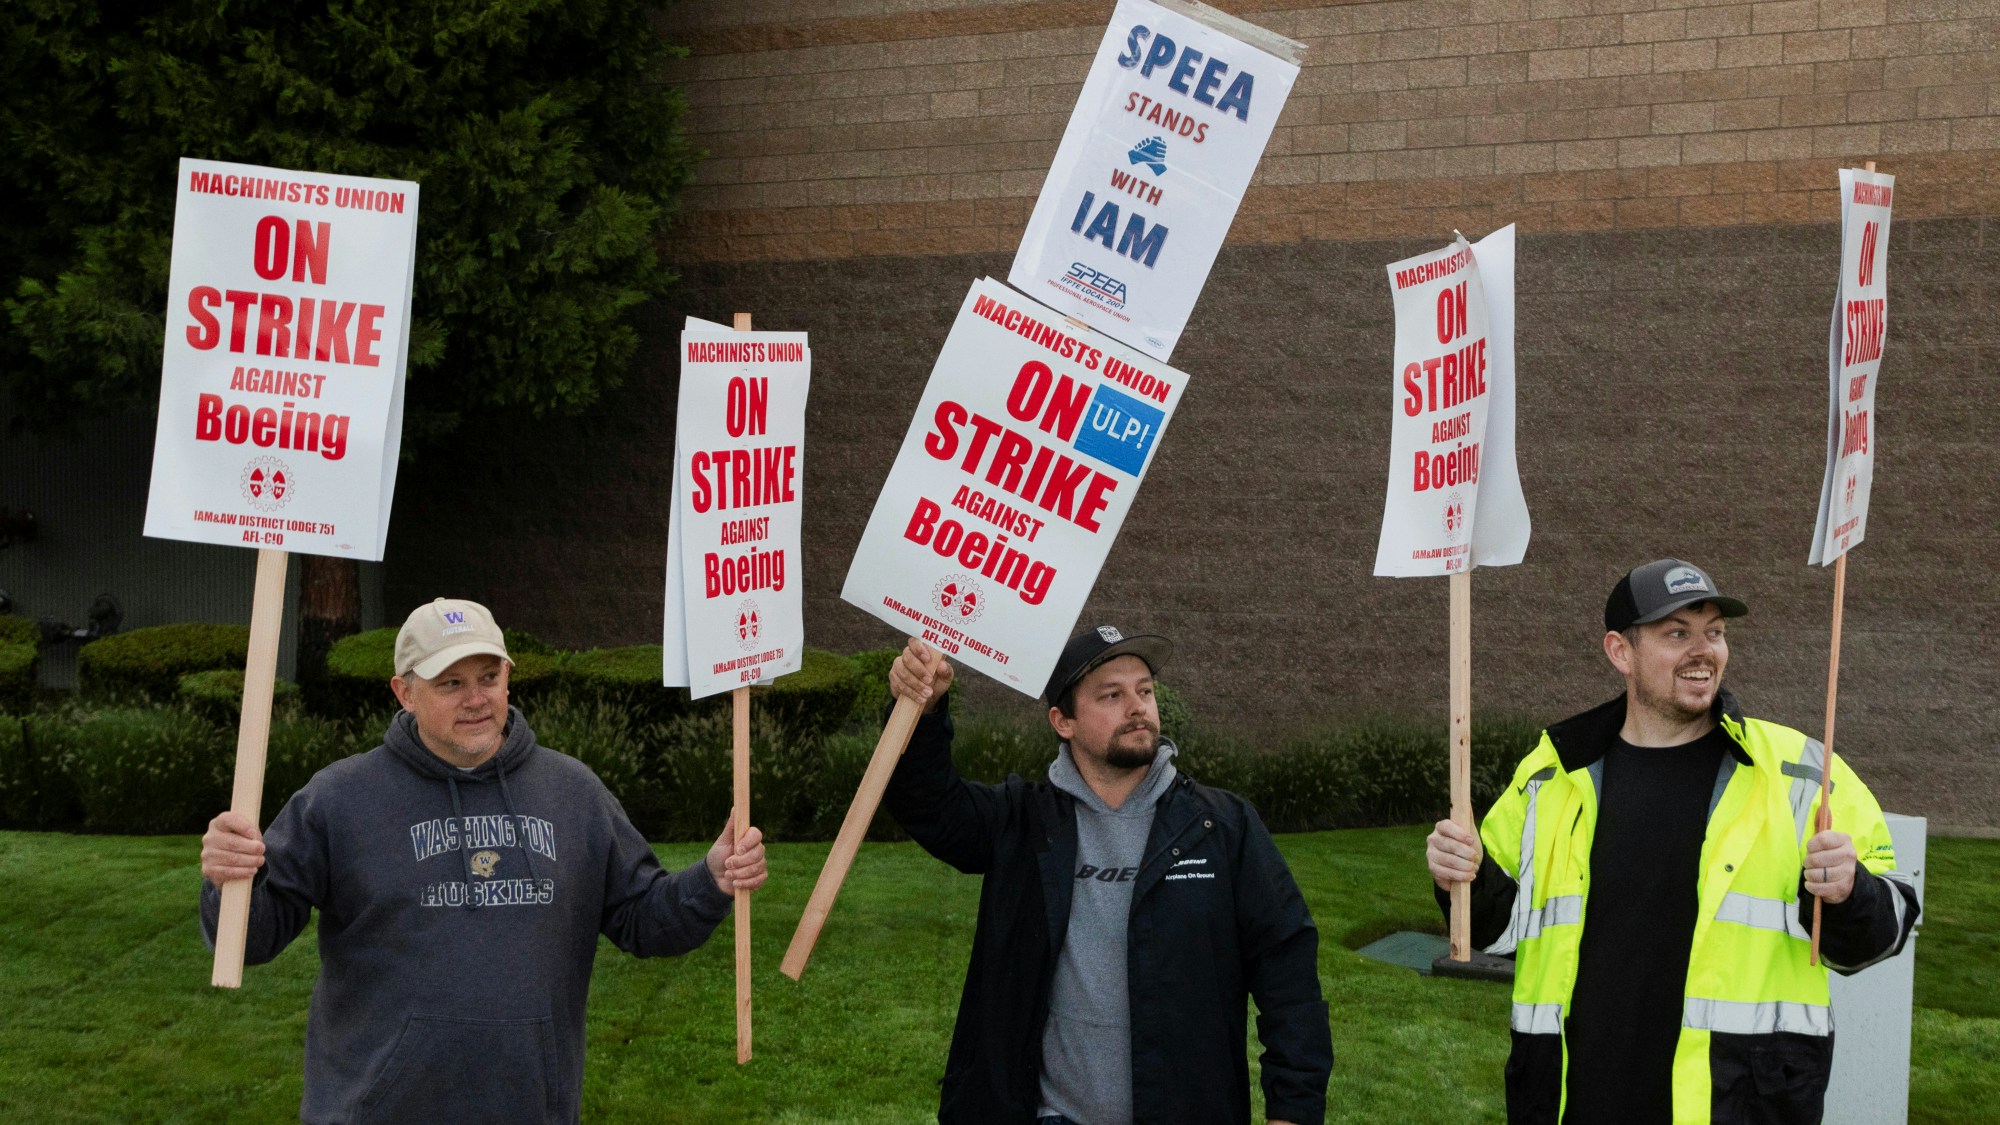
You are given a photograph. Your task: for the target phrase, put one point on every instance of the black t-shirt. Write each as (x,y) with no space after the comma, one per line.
(1631,978)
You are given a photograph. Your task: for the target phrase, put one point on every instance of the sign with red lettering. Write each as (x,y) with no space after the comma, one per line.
(734,615)
(1163,141)
(281,388)
(1454,498)
(1028,446)
(1854,360)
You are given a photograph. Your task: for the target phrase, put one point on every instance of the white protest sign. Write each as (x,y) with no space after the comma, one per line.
(1163,141)
(734,613)
(1028,446)
(1454,498)
(281,387)
(1854,359)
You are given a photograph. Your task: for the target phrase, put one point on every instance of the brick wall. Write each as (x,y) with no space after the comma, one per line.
(909,128)
(1670,170)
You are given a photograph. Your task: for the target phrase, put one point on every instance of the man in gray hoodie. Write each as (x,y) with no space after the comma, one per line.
(462,873)
(1126,917)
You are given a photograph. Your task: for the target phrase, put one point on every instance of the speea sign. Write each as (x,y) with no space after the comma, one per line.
(1165,137)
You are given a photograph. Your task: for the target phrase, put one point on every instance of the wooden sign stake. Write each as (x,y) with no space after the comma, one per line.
(253,736)
(739,700)
(1825,819)
(1461,752)
(867,798)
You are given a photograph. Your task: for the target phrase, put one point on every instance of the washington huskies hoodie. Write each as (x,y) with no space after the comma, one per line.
(458,918)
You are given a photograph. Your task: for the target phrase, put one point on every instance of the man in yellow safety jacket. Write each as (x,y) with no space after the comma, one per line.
(1652,867)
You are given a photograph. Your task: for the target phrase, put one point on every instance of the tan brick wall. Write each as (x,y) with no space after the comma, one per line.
(845,128)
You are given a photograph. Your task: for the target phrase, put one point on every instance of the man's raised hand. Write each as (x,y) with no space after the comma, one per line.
(231,849)
(1453,854)
(921,673)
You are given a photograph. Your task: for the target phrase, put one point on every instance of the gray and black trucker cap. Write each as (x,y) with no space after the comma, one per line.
(1092,647)
(1650,592)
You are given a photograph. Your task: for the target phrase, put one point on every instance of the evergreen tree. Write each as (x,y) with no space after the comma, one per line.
(548,150)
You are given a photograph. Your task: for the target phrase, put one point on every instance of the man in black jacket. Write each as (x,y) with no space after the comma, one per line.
(1126,915)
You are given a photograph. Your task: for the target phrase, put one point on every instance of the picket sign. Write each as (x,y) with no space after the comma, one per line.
(281,403)
(1166,134)
(1026,451)
(1854,359)
(733,616)
(1454,498)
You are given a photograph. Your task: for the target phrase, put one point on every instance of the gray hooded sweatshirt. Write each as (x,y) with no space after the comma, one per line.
(458,919)
(1087,1043)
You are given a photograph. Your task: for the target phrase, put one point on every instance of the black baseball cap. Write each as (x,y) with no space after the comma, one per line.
(1092,647)
(1650,592)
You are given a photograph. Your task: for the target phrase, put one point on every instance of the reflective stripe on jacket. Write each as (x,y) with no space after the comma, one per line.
(1756,1039)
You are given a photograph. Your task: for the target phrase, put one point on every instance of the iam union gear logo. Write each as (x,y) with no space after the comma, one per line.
(1454,517)
(749,625)
(267,483)
(958,599)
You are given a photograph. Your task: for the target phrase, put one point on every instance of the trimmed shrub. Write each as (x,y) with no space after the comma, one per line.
(816,699)
(358,668)
(163,769)
(871,698)
(535,677)
(20,668)
(217,695)
(16,630)
(1176,721)
(627,676)
(34,790)
(519,641)
(147,664)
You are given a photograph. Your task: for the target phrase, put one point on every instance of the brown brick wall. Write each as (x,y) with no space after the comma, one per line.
(1673,397)
(911,128)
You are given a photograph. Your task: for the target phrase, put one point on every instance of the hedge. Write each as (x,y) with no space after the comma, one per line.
(167,767)
(15,630)
(155,769)
(217,695)
(20,667)
(146,665)
(35,792)
(826,685)
(627,676)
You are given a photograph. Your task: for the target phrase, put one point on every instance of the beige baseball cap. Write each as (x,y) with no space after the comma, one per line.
(440,634)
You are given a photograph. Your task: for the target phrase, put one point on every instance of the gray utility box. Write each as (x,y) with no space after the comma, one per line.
(1871,1015)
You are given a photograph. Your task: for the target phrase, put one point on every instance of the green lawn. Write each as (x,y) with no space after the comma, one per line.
(106,1013)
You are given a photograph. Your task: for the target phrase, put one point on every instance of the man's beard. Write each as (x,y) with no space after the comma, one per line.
(1668,706)
(1127,757)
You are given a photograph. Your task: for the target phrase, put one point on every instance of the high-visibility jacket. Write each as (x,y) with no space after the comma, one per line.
(1756,1038)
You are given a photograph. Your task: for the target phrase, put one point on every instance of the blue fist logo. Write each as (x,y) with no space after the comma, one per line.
(1152,152)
